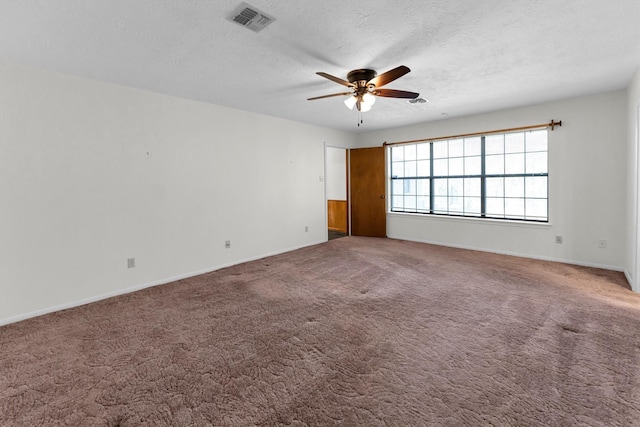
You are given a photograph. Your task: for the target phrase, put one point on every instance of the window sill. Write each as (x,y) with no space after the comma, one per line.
(476,221)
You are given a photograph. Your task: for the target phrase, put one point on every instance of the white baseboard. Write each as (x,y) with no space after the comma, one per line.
(522,255)
(95,298)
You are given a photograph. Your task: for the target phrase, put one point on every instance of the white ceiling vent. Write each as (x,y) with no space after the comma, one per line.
(250,17)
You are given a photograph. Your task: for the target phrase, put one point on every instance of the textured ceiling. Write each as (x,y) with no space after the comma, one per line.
(466,56)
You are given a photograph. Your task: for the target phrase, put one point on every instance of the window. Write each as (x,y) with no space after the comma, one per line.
(502,176)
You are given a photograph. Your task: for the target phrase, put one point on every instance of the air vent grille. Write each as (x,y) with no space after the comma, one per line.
(251,17)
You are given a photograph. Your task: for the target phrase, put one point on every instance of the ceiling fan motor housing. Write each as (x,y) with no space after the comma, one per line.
(362,74)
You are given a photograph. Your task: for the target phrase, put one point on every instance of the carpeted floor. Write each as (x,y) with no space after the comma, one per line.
(357,331)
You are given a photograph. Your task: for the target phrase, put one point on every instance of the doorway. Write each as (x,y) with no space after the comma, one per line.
(337,190)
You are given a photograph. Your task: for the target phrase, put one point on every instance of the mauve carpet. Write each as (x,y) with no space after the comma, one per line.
(356,331)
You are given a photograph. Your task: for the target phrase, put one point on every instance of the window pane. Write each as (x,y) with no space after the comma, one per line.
(409,187)
(514,163)
(456,187)
(424,168)
(536,209)
(472,165)
(422,187)
(514,187)
(495,206)
(472,206)
(536,187)
(456,148)
(423,150)
(472,187)
(536,140)
(536,162)
(440,204)
(410,168)
(397,186)
(397,153)
(440,187)
(440,149)
(397,202)
(456,191)
(494,144)
(410,152)
(456,166)
(422,203)
(441,167)
(514,208)
(456,205)
(495,187)
(472,146)
(410,203)
(513,143)
(494,165)
(397,169)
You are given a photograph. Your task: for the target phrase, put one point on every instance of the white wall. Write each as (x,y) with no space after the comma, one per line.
(336,173)
(92,174)
(587,180)
(633,140)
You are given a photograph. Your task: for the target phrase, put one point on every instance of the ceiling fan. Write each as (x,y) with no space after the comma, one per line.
(365,85)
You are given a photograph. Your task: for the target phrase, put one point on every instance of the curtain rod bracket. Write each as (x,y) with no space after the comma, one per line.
(554,124)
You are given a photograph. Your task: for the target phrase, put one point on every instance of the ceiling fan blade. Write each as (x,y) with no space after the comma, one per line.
(335,79)
(389,76)
(329,96)
(392,93)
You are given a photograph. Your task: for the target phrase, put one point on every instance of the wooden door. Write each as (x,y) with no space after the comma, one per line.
(368,204)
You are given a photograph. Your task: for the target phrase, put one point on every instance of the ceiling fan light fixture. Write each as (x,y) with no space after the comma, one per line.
(350,102)
(368,98)
(364,107)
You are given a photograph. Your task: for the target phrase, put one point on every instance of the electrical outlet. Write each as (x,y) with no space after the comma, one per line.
(227,244)
(131,263)
(306,228)
(602,244)
(559,240)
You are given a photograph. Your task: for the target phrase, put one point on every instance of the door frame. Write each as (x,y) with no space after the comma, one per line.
(635,279)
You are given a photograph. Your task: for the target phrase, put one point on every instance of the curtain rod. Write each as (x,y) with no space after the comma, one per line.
(551,124)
